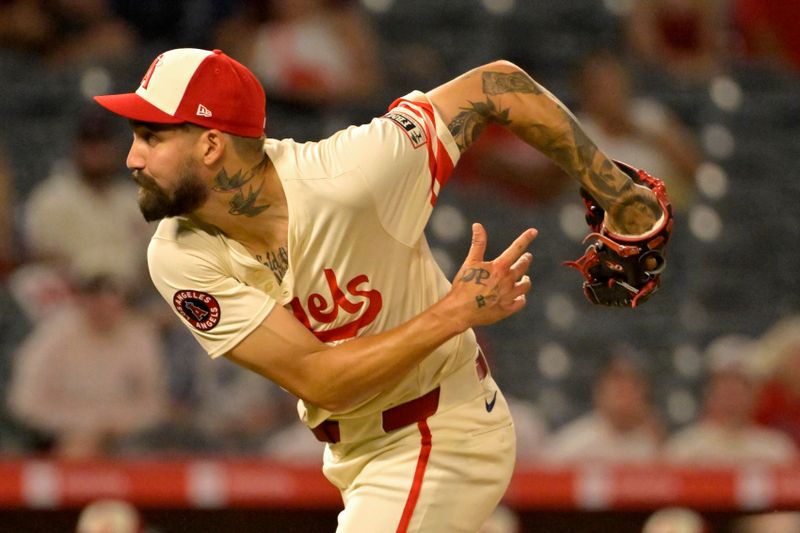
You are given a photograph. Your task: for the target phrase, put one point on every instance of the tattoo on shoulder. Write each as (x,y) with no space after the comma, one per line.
(509,82)
(245,195)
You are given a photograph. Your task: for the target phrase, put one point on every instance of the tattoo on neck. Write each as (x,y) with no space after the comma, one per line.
(243,201)
(277,261)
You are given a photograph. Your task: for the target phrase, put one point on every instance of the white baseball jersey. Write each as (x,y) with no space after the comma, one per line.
(359,263)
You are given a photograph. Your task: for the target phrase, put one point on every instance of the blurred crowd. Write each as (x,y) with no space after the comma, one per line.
(93,363)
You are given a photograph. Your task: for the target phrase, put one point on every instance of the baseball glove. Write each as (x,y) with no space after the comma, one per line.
(621,270)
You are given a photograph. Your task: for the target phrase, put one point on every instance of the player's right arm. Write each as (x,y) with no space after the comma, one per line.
(502,93)
(340,377)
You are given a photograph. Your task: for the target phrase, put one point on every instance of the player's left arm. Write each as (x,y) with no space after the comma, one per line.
(502,93)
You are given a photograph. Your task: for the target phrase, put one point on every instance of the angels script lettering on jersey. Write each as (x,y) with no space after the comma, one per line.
(325,309)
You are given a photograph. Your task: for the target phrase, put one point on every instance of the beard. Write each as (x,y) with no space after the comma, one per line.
(155,203)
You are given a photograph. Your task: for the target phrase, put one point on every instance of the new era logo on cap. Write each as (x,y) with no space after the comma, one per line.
(186,84)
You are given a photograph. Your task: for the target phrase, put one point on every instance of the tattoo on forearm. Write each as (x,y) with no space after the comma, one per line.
(468,124)
(557,134)
(476,274)
(509,82)
(601,180)
(243,202)
(277,261)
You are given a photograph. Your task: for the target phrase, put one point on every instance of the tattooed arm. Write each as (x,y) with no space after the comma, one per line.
(502,93)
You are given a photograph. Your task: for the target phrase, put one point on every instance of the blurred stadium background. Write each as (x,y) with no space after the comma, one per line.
(731,268)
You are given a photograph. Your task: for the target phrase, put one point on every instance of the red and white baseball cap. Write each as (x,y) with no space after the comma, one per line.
(203,87)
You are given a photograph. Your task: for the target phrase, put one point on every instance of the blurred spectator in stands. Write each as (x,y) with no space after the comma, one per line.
(109,516)
(311,55)
(91,372)
(8,241)
(237,410)
(727,433)
(531,428)
(15,326)
(26,26)
(635,129)
(778,358)
(294,443)
(622,426)
(88,32)
(684,38)
(675,520)
(774,522)
(769,30)
(87,208)
(215,406)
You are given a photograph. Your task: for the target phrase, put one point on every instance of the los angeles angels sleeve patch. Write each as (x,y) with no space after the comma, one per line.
(410,126)
(200,309)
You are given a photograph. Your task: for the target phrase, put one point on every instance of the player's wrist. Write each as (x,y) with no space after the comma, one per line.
(446,317)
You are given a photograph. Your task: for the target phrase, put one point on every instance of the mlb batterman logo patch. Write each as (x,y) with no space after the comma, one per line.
(411,127)
(200,309)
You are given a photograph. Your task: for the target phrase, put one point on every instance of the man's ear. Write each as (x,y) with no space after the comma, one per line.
(213,144)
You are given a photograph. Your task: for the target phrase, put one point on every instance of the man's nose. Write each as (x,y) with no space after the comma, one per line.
(135,159)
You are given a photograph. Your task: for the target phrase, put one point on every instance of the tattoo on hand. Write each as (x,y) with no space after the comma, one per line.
(476,274)
(480,300)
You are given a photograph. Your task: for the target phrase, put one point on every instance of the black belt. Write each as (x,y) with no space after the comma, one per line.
(400,415)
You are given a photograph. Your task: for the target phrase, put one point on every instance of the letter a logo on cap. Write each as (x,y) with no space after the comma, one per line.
(147,75)
(203,111)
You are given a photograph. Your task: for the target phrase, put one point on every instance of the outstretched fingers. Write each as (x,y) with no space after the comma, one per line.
(509,258)
(520,266)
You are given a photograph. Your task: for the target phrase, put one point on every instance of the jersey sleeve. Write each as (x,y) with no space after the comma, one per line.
(196,282)
(420,122)
(406,156)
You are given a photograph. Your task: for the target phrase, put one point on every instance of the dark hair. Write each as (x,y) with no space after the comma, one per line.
(248,147)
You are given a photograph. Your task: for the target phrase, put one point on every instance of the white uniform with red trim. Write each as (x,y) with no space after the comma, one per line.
(359,264)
